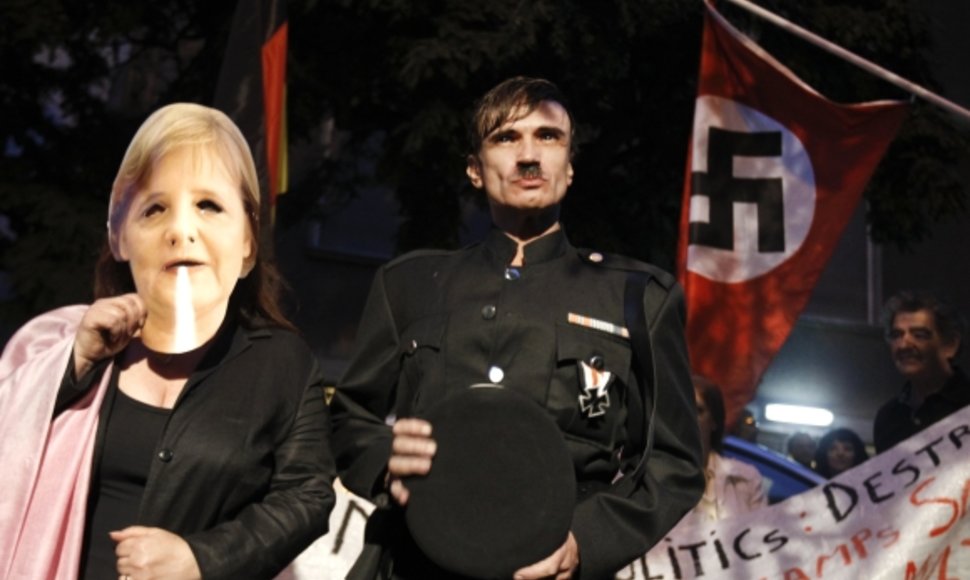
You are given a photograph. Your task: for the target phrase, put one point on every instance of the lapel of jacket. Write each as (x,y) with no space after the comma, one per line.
(232,341)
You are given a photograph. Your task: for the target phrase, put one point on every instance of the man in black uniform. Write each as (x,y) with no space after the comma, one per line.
(525,308)
(924,336)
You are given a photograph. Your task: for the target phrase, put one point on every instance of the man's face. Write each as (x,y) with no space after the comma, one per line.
(802,449)
(917,348)
(524,164)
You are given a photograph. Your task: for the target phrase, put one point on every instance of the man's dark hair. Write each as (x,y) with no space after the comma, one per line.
(798,436)
(949,322)
(496,107)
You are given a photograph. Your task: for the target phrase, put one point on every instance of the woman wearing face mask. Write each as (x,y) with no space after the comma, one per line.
(839,450)
(177,426)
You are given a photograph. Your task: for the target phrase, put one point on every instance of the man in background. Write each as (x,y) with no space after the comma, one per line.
(924,335)
(801,448)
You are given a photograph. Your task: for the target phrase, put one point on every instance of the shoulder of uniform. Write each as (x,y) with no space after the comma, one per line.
(626,263)
(415,257)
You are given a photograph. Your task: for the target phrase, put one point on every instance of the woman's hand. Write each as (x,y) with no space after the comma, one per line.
(150,553)
(411,453)
(106,328)
(560,565)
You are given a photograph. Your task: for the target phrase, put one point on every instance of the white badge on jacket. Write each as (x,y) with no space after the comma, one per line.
(594,399)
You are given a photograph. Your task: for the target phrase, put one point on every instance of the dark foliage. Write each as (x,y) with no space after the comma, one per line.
(379,91)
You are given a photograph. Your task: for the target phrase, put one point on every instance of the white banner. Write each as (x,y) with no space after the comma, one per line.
(332,555)
(902,514)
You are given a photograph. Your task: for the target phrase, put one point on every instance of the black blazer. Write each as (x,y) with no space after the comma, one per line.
(243,469)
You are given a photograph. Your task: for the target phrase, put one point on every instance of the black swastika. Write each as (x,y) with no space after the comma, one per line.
(724,190)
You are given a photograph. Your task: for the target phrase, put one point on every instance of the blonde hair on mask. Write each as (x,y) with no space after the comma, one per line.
(206,131)
(177,126)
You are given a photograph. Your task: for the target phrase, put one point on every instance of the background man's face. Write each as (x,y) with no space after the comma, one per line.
(524,164)
(917,348)
(802,449)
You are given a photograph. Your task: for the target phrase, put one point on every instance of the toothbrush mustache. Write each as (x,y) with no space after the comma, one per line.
(531,171)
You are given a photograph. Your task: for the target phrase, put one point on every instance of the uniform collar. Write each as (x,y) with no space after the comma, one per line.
(549,247)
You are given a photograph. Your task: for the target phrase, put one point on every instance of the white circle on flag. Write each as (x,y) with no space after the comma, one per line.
(793,167)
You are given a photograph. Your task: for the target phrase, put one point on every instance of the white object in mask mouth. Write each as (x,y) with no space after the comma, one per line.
(185,336)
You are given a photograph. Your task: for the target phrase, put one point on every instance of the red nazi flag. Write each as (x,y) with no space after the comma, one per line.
(774,173)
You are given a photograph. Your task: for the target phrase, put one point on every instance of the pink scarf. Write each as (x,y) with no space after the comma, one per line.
(44,465)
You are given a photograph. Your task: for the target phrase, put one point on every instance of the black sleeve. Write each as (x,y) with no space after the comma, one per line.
(267,535)
(364,398)
(72,388)
(881,433)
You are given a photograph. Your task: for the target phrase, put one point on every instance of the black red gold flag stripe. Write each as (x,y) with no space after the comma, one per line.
(252,90)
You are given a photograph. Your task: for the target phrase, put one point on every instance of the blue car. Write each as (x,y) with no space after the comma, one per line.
(783,477)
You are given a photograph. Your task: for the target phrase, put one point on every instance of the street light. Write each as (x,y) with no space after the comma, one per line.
(798,415)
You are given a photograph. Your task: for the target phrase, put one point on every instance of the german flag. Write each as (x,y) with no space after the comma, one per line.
(252,91)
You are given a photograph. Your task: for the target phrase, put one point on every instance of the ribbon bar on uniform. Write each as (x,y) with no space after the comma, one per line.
(601,325)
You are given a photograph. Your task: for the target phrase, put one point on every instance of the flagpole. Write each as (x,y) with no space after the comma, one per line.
(854,59)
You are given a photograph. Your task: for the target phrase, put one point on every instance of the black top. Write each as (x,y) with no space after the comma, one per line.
(132,433)
(242,470)
(440,321)
(898,420)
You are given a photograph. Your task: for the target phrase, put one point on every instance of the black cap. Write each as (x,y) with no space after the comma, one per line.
(501,490)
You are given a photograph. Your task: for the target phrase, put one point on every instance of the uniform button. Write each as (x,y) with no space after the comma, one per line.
(596,361)
(512,274)
(413,346)
(488,311)
(596,257)
(496,374)
(165,455)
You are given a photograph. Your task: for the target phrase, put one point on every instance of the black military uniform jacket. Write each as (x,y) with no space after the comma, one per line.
(437,321)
